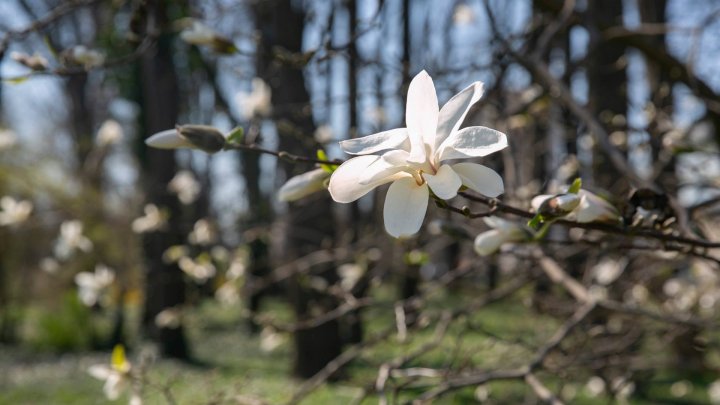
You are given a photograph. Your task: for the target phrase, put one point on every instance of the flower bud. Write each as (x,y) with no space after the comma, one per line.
(560,205)
(203,137)
(303,185)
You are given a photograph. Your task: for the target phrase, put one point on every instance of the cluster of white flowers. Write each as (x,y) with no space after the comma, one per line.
(71,240)
(14,212)
(185,186)
(110,133)
(82,55)
(93,286)
(153,220)
(257,102)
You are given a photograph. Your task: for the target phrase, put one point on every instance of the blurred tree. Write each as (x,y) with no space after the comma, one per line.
(157,94)
(307,226)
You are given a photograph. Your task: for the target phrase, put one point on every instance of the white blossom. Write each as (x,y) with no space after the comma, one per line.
(85,56)
(203,233)
(502,232)
(117,375)
(186,186)
(169,318)
(71,240)
(153,220)
(256,103)
(14,212)
(323,134)
(8,139)
(463,14)
(303,185)
(93,286)
(415,159)
(200,269)
(110,133)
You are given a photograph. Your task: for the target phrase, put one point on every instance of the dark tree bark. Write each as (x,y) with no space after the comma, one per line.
(307,225)
(607,80)
(158,97)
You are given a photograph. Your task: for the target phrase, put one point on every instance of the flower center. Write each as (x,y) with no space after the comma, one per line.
(417,175)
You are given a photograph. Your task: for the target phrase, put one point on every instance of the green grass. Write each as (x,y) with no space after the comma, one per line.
(233,364)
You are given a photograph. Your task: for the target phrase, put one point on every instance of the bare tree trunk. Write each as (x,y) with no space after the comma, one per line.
(165,287)
(607,81)
(307,224)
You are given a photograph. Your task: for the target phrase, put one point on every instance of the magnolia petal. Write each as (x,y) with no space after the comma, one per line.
(593,208)
(537,201)
(389,164)
(500,223)
(445,183)
(168,139)
(453,113)
(114,385)
(488,242)
(472,142)
(392,139)
(480,178)
(345,184)
(100,371)
(405,206)
(303,185)
(421,115)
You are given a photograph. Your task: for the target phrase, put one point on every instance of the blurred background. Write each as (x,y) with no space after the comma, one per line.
(221,293)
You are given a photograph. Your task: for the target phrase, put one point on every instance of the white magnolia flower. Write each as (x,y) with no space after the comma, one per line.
(203,233)
(110,133)
(186,186)
(590,208)
(503,231)
(153,220)
(256,103)
(14,212)
(93,286)
(200,269)
(71,239)
(85,56)
(323,134)
(463,14)
(416,159)
(117,375)
(303,185)
(169,318)
(8,139)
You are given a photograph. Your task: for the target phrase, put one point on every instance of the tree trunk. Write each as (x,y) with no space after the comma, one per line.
(158,98)
(307,225)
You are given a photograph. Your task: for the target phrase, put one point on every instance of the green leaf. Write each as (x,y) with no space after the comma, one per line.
(321,155)
(236,135)
(17,80)
(575,186)
(535,222)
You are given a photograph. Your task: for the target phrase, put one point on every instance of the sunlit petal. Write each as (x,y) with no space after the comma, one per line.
(488,242)
(453,113)
(480,178)
(303,185)
(392,139)
(389,164)
(405,206)
(472,142)
(168,139)
(593,208)
(445,183)
(421,115)
(345,184)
